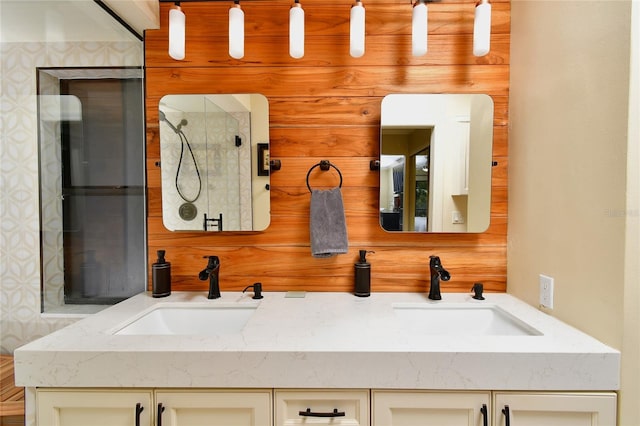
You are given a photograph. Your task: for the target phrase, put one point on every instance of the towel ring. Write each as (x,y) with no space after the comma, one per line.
(324,165)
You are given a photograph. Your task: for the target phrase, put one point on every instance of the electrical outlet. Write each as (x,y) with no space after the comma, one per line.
(546,291)
(457,217)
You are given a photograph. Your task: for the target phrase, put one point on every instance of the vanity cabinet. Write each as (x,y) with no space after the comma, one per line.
(164,407)
(320,407)
(288,407)
(551,408)
(67,407)
(210,407)
(410,408)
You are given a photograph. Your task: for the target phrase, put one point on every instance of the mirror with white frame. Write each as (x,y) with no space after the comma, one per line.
(435,162)
(215,162)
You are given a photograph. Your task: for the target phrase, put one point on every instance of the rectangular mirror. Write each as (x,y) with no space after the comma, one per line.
(213,151)
(435,162)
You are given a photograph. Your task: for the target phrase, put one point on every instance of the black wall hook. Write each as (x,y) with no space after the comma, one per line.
(275,165)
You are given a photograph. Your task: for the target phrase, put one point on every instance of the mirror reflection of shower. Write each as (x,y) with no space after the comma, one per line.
(187,210)
(215,132)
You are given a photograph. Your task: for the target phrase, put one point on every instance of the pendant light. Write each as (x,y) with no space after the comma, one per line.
(356,30)
(236,31)
(482,28)
(296,30)
(419,28)
(176,32)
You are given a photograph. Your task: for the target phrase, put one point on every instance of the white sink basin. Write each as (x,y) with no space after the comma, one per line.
(190,319)
(462,319)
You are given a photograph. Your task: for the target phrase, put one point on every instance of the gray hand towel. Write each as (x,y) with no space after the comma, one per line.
(328,226)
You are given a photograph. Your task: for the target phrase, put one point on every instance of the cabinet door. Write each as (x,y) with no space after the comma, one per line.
(93,407)
(411,408)
(212,407)
(317,407)
(557,409)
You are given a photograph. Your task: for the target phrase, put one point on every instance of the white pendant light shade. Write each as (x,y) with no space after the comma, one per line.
(236,32)
(419,29)
(482,28)
(296,31)
(176,33)
(356,30)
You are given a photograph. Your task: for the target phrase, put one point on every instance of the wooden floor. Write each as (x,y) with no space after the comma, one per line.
(12,421)
(11,397)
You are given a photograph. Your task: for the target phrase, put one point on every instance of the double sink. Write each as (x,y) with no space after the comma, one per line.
(439,318)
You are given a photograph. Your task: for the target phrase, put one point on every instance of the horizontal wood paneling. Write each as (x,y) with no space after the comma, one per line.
(327,106)
(333,86)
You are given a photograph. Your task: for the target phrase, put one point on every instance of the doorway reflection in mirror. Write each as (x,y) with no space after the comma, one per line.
(435,163)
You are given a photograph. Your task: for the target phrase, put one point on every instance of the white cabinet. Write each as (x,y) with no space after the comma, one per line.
(557,409)
(461,128)
(288,407)
(84,407)
(411,408)
(115,407)
(208,407)
(318,407)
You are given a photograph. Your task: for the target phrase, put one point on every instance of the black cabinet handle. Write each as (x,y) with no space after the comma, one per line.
(160,411)
(485,415)
(507,419)
(139,409)
(310,413)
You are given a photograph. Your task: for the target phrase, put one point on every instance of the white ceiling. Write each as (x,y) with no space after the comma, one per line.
(55,21)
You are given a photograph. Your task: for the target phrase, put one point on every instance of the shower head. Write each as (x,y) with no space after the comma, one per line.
(183,122)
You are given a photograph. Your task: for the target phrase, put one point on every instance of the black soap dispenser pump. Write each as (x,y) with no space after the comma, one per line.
(161,276)
(363,275)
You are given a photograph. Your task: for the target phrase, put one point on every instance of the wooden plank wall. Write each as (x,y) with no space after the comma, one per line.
(327,106)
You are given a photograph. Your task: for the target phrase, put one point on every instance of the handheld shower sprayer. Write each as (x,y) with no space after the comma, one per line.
(183,122)
(183,141)
(177,128)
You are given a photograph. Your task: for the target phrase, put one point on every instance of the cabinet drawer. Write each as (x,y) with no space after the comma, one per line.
(214,407)
(342,407)
(410,408)
(555,408)
(84,407)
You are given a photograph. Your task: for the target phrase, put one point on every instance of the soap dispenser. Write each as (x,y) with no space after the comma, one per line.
(363,275)
(161,276)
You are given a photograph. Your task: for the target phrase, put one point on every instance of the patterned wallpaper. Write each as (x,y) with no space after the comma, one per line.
(20,302)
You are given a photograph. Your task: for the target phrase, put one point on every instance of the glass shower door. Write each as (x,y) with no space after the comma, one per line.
(92,189)
(223,166)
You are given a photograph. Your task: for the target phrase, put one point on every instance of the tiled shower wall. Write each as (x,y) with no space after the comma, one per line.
(215,158)
(20,318)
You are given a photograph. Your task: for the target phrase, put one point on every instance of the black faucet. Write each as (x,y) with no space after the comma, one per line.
(437,273)
(211,271)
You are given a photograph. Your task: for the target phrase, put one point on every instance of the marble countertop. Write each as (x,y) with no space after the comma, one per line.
(322,340)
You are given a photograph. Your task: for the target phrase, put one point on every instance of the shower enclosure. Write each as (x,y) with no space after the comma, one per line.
(92,186)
